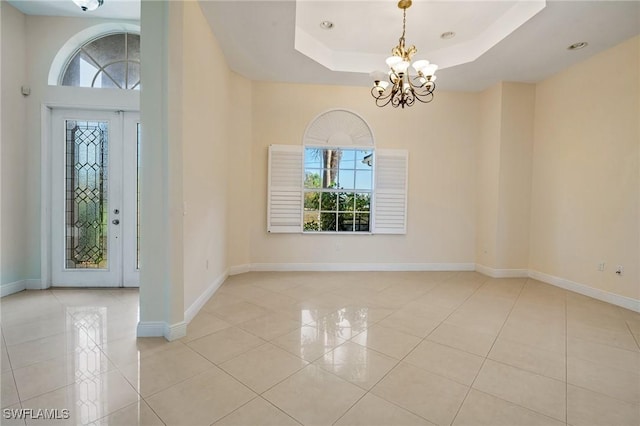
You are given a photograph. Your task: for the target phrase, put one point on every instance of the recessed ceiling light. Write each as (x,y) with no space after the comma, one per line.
(326,25)
(578,45)
(447,35)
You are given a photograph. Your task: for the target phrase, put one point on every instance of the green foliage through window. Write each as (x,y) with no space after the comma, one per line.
(338,184)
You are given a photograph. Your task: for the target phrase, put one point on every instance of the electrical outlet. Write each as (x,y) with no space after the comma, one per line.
(601,266)
(619,270)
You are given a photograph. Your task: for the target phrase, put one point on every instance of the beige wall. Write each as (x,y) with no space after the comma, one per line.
(210,116)
(516,147)
(197,117)
(441,139)
(239,200)
(488,176)
(13,153)
(584,204)
(503,179)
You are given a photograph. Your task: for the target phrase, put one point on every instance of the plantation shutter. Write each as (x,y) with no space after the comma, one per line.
(284,198)
(390,201)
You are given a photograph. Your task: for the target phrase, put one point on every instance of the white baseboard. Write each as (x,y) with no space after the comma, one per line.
(162,329)
(605,296)
(321,267)
(151,328)
(195,307)
(239,269)
(11,288)
(34,285)
(179,330)
(175,331)
(502,273)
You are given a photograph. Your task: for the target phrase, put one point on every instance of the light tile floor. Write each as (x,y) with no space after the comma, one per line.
(383,348)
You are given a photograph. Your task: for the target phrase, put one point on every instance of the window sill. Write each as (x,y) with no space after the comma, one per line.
(335,233)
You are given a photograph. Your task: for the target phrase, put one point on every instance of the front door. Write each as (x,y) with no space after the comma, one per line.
(94,198)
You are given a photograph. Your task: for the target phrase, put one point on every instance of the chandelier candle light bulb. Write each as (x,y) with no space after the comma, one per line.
(88,5)
(405,88)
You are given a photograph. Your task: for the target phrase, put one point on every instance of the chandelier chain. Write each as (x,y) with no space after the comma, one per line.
(404,23)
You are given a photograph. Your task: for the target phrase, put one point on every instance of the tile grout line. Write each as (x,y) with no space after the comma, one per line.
(150,407)
(124,408)
(260,395)
(75,381)
(311,362)
(163,389)
(332,349)
(567,293)
(13,376)
(367,391)
(632,335)
(442,322)
(634,403)
(90,378)
(11,370)
(456,309)
(182,381)
(424,339)
(515,302)
(275,384)
(126,379)
(408,353)
(20,399)
(518,405)
(248,402)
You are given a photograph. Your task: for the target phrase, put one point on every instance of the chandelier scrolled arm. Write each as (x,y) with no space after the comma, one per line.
(423,93)
(413,89)
(403,89)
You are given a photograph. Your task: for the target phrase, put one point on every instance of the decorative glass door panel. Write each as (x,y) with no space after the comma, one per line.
(86,179)
(94,198)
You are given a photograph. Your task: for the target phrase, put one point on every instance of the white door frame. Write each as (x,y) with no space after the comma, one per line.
(111,273)
(130,272)
(46,110)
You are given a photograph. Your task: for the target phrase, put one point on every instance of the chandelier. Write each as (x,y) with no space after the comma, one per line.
(88,5)
(403,89)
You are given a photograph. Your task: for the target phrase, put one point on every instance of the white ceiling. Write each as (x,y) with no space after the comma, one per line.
(505,40)
(111,9)
(478,27)
(258,37)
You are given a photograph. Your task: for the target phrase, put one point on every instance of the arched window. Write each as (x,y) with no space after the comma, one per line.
(337,181)
(338,173)
(110,61)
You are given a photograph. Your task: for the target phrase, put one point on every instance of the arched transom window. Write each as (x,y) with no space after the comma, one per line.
(111,61)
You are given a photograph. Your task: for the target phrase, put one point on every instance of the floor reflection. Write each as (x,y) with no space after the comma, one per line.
(87,329)
(323,333)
